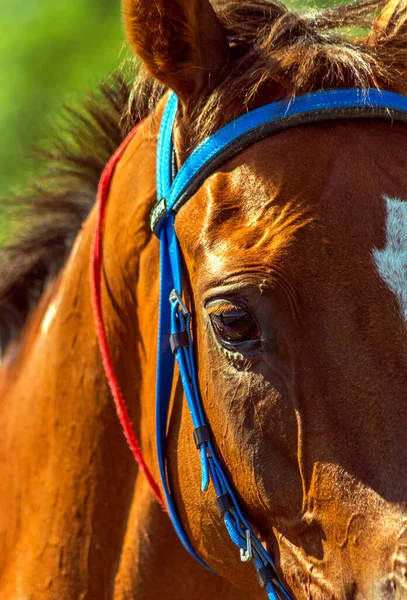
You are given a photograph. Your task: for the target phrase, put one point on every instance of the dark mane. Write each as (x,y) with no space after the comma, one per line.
(52,212)
(270,46)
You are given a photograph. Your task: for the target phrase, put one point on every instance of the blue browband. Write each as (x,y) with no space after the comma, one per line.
(175,319)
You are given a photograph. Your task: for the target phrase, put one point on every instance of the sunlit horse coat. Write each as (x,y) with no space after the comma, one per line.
(304,233)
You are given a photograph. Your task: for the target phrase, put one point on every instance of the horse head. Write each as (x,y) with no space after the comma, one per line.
(294,268)
(295,258)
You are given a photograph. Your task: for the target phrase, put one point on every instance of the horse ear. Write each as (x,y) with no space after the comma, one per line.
(181,42)
(391,22)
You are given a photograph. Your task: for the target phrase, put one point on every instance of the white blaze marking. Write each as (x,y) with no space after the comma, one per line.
(391,261)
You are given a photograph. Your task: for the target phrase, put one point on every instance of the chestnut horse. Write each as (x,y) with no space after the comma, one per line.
(295,264)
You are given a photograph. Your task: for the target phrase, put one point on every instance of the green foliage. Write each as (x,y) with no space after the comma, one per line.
(51,50)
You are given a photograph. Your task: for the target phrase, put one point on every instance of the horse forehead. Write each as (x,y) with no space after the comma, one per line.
(242,213)
(251,202)
(317,192)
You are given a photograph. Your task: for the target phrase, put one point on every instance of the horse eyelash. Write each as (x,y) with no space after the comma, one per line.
(219,309)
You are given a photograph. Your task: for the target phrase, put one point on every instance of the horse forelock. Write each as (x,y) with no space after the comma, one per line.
(288,54)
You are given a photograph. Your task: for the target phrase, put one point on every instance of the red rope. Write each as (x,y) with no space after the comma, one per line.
(96,270)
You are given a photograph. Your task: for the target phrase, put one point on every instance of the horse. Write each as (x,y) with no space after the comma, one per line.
(294,269)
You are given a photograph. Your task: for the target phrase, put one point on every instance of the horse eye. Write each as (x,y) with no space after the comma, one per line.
(234,325)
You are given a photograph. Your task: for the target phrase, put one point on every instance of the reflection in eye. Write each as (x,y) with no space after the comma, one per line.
(233,324)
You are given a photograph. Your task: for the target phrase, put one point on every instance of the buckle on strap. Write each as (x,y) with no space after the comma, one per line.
(158,212)
(176,297)
(246,554)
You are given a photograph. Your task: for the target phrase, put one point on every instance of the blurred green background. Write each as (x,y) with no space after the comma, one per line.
(51,51)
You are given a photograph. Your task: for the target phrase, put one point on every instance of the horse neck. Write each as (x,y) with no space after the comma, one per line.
(61,434)
(131,283)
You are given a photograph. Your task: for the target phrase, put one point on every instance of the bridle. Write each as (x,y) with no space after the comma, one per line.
(175,341)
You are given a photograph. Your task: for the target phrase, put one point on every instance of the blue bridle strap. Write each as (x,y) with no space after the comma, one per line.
(255,125)
(174,338)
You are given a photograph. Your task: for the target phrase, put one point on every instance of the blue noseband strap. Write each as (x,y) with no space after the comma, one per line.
(174,340)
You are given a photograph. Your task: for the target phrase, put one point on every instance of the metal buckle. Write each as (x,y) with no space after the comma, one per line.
(158,212)
(176,297)
(246,553)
